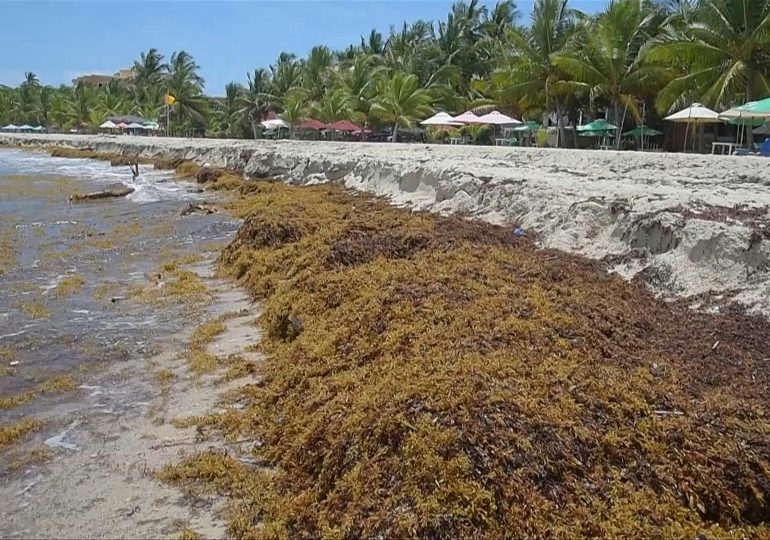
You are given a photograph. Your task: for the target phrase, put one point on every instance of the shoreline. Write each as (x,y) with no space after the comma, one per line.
(688,226)
(461,380)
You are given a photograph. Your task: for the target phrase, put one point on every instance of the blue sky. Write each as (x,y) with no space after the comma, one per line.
(60,40)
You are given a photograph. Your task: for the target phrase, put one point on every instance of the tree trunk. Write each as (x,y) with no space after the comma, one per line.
(560,127)
(395,133)
(254,128)
(618,123)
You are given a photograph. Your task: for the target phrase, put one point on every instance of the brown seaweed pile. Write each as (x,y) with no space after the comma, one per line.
(440,378)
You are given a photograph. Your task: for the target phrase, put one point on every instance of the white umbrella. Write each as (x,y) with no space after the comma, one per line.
(25,126)
(694,114)
(135,125)
(762,130)
(440,119)
(467,118)
(109,124)
(11,127)
(498,119)
(39,128)
(275,123)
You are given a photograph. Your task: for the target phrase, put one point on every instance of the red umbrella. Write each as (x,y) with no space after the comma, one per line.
(345,125)
(312,123)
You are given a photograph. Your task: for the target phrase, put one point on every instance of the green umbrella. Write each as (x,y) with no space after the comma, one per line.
(752,109)
(753,122)
(597,125)
(527,126)
(584,133)
(642,131)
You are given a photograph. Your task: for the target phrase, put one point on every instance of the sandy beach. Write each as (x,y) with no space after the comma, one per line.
(388,363)
(687,225)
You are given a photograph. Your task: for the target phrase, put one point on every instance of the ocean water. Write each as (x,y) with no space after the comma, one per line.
(109,245)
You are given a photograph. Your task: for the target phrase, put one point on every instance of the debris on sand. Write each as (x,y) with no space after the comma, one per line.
(198,208)
(115,190)
(448,379)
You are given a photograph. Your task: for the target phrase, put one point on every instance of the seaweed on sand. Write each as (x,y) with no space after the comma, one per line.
(451,380)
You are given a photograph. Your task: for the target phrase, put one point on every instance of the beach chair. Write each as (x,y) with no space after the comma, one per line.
(764,148)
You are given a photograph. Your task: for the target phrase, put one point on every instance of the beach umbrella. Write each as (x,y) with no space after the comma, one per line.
(642,131)
(598,125)
(762,130)
(497,118)
(468,117)
(275,123)
(694,114)
(752,109)
(109,124)
(530,125)
(345,125)
(11,127)
(440,119)
(135,125)
(312,123)
(25,127)
(121,125)
(38,128)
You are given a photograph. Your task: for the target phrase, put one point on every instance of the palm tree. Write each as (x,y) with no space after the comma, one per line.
(286,74)
(722,50)
(257,99)
(294,109)
(226,111)
(359,82)
(400,101)
(607,62)
(149,69)
(527,74)
(316,71)
(113,100)
(80,104)
(334,105)
(186,85)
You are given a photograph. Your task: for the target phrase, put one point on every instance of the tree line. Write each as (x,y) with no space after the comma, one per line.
(635,58)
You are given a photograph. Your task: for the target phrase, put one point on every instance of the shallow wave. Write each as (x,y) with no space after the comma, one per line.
(151,186)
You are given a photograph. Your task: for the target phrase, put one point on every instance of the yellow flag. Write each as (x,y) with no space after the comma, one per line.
(170,100)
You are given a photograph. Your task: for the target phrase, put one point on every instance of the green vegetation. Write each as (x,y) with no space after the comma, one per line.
(634,55)
(12,433)
(68,286)
(205,333)
(436,377)
(56,385)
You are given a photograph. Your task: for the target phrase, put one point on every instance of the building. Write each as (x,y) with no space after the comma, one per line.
(125,76)
(93,80)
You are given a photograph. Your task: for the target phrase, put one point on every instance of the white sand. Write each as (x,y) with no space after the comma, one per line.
(625,205)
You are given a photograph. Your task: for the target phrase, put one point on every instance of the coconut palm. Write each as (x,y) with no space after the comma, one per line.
(149,69)
(80,104)
(186,85)
(294,108)
(286,74)
(526,74)
(606,61)
(401,101)
(359,82)
(226,110)
(316,71)
(722,52)
(257,99)
(334,105)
